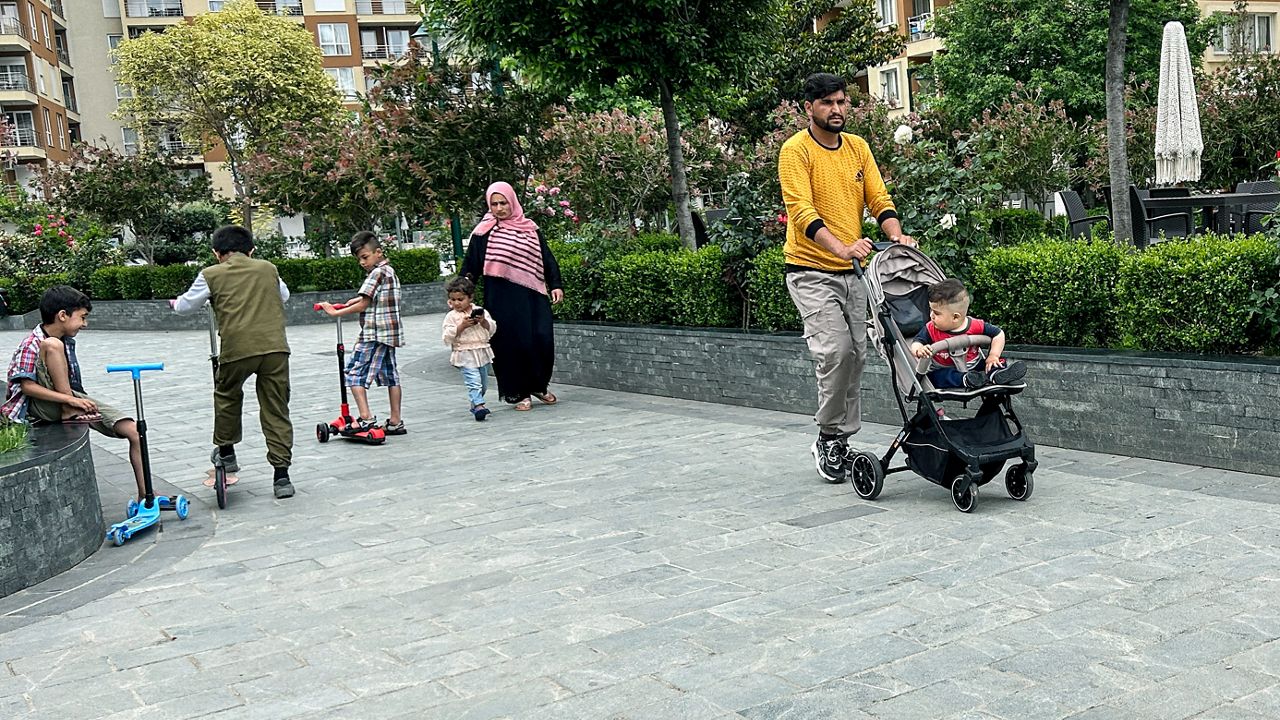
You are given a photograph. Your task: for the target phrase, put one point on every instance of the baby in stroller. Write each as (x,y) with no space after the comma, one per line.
(949,318)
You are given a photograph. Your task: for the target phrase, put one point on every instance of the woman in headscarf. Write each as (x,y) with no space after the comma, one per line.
(521,282)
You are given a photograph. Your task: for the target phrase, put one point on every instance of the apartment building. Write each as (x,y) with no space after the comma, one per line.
(37,87)
(897,81)
(352,35)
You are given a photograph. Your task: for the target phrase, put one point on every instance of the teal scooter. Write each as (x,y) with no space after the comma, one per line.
(142,515)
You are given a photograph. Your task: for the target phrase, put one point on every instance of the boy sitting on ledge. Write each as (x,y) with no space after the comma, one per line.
(44,377)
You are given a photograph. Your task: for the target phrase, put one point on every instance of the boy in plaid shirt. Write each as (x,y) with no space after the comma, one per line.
(381,332)
(44,382)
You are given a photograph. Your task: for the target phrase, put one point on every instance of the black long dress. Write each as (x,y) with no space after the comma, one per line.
(524,348)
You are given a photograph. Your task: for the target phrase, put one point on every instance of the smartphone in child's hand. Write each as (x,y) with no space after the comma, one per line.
(477,312)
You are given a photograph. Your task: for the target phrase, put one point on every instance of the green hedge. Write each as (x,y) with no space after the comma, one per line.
(1195,295)
(336,274)
(416,267)
(135,283)
(771,306)
(1050,292)
(634,289)
(24,293)
(170,281)
(104,284)
(295,273)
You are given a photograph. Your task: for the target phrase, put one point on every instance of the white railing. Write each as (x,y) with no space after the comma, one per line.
(172,146)
(11,26)
(20,137)
(15,81)
(383,52)
(381,7)
(921,26)
(280,7)
(153,8)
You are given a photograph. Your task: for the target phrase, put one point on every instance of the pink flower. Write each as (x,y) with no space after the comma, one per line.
(37,231)
(564,203)
(556,190)
(540,189)
(50,217)
(782,218)
(39,227)
(548,212)
(568,213)
(62,233)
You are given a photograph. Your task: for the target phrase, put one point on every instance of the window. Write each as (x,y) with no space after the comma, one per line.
(38,65)
(62,133)
(113,42)
(130,137)
(31,15)
(110,9)
(1252,33)
(13,75)
(9,18)
(889,87)
(48,128)
(345,79)
(123,91)
(215,5)
(888,11)
(44,23)
(397,42)
(331,5)
(24,127)
(334,39)
(393,7)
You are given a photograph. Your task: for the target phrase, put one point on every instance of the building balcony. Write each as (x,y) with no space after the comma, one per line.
(14,82)
(382,7)
(920,27)
(177,148)
(153,8)
(13,35)
(281,7)
(59,12)
(25,143)
(63,56)
(383,52)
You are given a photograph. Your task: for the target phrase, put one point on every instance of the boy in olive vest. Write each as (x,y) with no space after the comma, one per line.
(248,299)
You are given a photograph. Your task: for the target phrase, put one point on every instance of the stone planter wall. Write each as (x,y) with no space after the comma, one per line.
(1211,411)
(50,513)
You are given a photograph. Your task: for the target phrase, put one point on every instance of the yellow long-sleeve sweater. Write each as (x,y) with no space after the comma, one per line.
(828,187)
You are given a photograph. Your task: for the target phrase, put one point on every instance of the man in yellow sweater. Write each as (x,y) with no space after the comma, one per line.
(829,178)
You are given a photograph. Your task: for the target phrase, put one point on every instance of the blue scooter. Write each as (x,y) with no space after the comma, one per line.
(142,515)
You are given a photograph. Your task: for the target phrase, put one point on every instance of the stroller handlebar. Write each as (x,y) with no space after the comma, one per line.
(336,306)
(951,346)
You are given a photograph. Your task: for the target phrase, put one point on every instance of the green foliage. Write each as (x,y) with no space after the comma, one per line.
(1195,295)
(754,222)
(135,282)
(342,273)
(26,294)
(1050,292)
(581,282)
(415,266)
(1238,107)
(1049,46)
(1012,226)
(170,281)
(771,305)
(636,289)
(104,284)
(13,436)
(295,273)
(700,295)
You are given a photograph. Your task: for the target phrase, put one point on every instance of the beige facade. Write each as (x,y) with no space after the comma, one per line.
(352,34)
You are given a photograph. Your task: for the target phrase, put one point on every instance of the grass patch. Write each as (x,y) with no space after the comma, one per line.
(12,437)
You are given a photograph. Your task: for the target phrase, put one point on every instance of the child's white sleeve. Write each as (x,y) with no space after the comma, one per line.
(493,324)
(194,298)
(450,329)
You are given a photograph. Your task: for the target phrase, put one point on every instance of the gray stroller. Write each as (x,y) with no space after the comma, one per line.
(959,454)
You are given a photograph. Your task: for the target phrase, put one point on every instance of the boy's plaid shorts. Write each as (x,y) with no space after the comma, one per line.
(372,361)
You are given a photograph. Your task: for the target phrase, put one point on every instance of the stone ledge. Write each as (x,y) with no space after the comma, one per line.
(1200,410)
(50,513)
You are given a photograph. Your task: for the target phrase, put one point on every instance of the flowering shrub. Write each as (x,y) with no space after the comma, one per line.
(37,244)
(550,207)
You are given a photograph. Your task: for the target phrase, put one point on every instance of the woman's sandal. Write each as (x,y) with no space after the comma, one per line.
(547,398)
(525,404)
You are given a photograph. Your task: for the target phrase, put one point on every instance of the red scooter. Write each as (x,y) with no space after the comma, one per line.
(345,425)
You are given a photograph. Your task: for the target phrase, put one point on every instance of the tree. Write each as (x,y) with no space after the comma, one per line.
(228,79)
(1117,157)
(139,191)
(1054,48)
(440,141)
(324,169)
(847,42)
(664,48)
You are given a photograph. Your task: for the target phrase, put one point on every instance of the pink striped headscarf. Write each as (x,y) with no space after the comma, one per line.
(514,251)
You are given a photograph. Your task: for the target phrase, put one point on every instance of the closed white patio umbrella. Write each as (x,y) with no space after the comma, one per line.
(1178,140)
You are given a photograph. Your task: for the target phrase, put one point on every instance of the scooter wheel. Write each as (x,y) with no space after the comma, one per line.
(322,432)
(220,487)
(131,510)
(180,506)
(117,536)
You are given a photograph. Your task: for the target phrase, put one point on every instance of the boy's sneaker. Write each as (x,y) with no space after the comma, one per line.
(226,462)
(481,412)
(831,458)
(283,488)
(974,380)
(1012,372)
(396,429)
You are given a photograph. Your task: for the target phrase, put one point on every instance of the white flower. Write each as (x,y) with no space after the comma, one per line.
(948,221)
(903,134)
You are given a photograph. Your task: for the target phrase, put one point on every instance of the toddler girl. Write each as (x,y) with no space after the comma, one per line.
(467,329)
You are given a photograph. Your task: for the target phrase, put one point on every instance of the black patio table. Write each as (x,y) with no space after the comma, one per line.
(1216,206)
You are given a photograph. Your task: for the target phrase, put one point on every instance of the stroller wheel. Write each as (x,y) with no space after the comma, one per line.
(867,475)
(1018,482)
(968,500)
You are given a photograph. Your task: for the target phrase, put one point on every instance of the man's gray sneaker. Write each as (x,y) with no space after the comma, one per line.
(832,459)
(283,488)
(226,462)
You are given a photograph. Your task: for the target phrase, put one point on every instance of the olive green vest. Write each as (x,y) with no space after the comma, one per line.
(245,294)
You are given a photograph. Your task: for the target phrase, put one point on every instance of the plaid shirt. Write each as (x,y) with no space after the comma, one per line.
(23,367)
(380,321)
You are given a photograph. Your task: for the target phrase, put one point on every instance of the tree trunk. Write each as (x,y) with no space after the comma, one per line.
(675,154)
(1117,156)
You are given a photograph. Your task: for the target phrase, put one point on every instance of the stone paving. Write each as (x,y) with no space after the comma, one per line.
(624,556)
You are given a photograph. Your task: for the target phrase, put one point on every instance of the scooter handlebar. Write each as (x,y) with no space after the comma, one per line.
(136,370)
(336,306)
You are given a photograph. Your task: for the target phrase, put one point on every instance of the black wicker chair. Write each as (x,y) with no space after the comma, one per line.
(1079,221)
